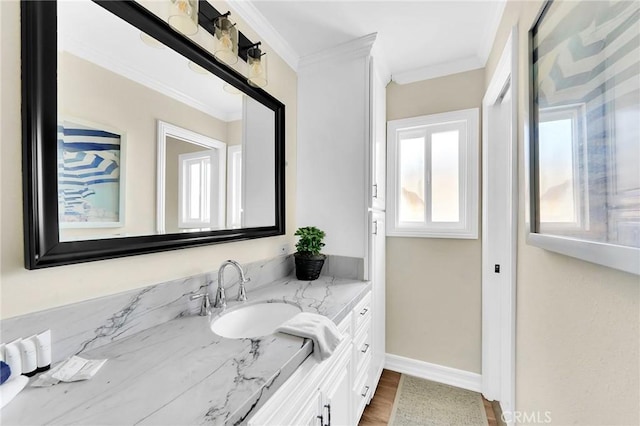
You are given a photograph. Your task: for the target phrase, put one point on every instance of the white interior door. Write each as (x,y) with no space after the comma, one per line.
(499,232)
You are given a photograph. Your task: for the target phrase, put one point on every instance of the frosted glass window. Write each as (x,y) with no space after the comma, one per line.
(432,176)
(445,177)
(411,207)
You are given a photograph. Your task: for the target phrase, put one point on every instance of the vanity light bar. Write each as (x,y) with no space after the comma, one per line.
(207,15)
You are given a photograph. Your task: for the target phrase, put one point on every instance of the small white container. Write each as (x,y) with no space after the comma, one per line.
(13,358)
(29,356)
(43,347)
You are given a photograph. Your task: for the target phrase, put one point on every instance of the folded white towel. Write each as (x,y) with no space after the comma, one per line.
(324,333)
(11,388)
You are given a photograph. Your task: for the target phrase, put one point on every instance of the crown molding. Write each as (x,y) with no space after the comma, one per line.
(484,49)
(381,64)
(358,47)
(269,35)
(438,70)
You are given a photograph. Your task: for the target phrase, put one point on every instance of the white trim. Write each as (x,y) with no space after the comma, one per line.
(352,49)
(614,256)
(499,304)
(434,372)
(267,33)
(439,70)
(234,159)
(165,129)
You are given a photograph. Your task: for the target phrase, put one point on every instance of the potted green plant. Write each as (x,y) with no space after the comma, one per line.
(309,260)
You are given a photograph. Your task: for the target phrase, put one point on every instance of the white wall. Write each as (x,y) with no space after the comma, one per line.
(433,284)
(28,291)
(578,324)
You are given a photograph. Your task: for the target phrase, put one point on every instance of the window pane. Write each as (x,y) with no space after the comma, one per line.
(557,180)
(445,177)
(194,191)
(411,182)
(206,190)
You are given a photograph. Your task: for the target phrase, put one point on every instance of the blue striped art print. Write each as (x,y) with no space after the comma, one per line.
(89,178)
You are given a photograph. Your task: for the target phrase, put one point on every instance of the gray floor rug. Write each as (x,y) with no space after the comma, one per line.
(422,402)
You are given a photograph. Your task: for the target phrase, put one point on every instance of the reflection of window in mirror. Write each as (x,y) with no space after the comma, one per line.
(196,191)
(586,105)
(563,188)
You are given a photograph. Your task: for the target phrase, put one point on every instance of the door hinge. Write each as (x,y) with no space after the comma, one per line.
(374,231)
(375,190)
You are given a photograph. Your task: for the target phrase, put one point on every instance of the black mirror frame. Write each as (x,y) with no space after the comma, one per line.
(42,246)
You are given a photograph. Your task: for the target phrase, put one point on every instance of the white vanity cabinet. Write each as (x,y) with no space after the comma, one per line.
(315,391)
(333,392)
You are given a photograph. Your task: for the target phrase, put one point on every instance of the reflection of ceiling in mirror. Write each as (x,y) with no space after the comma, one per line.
(90,32)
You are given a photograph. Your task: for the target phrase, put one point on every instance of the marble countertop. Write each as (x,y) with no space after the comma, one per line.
(181,373)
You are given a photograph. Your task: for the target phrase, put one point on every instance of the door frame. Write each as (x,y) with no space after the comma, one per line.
(499,307)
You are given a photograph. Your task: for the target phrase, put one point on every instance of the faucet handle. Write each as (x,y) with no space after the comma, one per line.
(205,308)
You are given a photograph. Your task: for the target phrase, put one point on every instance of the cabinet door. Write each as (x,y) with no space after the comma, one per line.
(378,248)
(378,140)
(336,394)
(309,414)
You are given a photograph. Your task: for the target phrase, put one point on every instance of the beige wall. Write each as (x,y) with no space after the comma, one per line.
(433,285)
(578,324)
(25,291)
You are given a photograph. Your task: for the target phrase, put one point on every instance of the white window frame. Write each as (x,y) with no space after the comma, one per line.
(467,227)
(234,187)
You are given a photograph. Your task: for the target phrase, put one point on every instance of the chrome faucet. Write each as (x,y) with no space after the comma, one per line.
(221,298)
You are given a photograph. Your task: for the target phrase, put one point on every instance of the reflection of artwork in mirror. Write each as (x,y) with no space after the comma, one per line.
(585,127)
(90,182)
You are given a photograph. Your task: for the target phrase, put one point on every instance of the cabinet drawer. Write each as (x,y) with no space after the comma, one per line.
(362,348)
(361,393)
(362,312)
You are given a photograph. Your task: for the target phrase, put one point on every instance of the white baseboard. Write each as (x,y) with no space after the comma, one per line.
(437,373)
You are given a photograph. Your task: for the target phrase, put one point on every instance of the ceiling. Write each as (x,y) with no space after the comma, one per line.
(417,39)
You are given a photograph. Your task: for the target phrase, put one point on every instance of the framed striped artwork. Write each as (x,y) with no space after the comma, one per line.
(584,146)
(91,187)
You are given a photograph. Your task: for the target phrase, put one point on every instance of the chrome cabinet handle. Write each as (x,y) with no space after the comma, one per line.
(366,391)
(364,311)
(366,348)
(328,407)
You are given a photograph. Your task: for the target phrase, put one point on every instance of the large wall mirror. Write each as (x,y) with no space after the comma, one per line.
(585,132)
(137,140)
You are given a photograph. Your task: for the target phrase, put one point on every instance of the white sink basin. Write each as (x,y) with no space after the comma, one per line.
(253,320)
